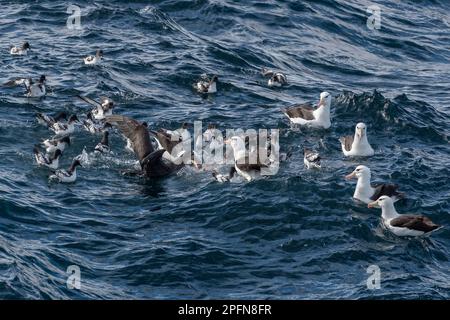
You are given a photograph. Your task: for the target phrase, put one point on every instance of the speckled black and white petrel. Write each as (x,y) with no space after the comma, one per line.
(91,60)
(51,145)
(45,160)
(66,176)
(20,51)
(34,88)
(311,159)
(207,85)
(48,120)
(103,145)
(276,79)
(101,109)
(64,129)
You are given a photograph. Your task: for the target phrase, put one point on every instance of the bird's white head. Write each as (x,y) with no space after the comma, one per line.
(382,202)
(360,171)
(325,99)
(360,130)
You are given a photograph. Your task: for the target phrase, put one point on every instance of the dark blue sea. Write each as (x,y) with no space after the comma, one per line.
(295,235)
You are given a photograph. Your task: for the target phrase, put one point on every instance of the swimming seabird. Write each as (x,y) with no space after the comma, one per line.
(19,51)
(48,120)
(67,176)
(51,145)
(90,60)
(305,115)
(151,161)
(242,160)
(64,129)
(366,193)
(357,145)
(42,159)
(402,224)
(103,145)
(101,109)
(207,85)
(83,157)
(276,79)
(34,88)
(311,159)
(94,126)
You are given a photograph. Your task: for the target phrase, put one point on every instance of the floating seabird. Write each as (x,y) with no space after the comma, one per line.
(311,159)
(20,51)
(91,60)
(94,126)
(305,115)
(51,145)
(67,176)
(83,157)
(357,145)
(42,159)
(366,193)
(103,145)
(64,129)
(241,159)
(207,85)
(151,161)
(402,224)
(276,79)
(101,109)
(48,120)
(34,89)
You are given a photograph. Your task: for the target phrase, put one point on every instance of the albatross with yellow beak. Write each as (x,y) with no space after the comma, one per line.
(403,225)
(366,192)
(357,145)
(305,115)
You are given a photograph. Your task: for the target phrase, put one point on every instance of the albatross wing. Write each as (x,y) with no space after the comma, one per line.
(414,222)
(389,190)
(347,143)
(136,132)
(304,111)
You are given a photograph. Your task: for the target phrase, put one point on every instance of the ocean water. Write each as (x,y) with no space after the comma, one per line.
(295,235)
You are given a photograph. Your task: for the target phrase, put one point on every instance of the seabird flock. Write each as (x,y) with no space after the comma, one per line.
(157,153)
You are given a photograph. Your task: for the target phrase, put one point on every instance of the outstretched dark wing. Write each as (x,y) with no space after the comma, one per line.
(304,111)
(347,142)
(386,190)
(414,222)
(136,132)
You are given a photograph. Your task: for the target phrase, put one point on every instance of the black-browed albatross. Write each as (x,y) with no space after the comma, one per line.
(151,161)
